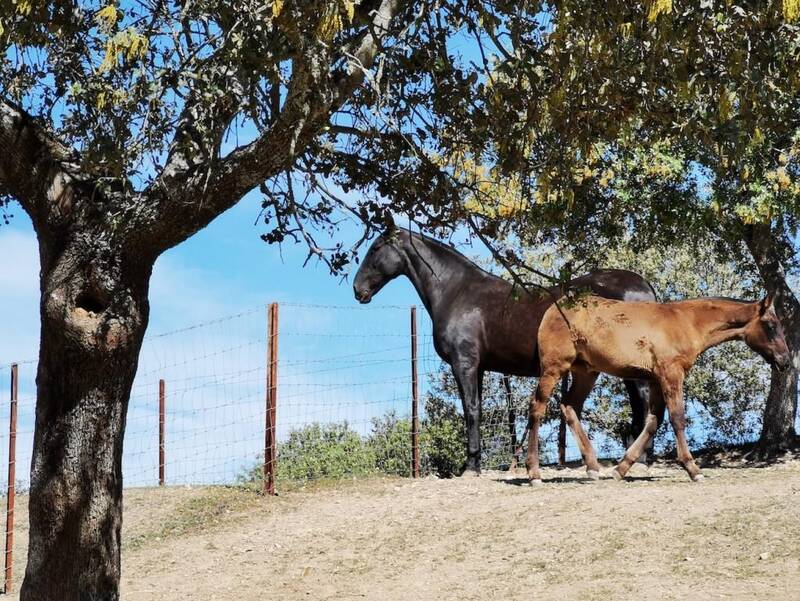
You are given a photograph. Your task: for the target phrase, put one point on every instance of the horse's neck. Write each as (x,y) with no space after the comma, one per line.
(724,321)
(435,272)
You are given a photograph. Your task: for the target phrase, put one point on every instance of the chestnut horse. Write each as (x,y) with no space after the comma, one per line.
(480,324)
(658,342)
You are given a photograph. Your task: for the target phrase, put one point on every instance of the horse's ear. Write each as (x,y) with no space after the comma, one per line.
(390,227)
(766,303)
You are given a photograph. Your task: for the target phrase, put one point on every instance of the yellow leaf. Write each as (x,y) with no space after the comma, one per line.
(330,23)
(136,45)
(658,7)
(791,10)
(725,105)
(350,9)
(277,7)
(110,59)
(24,7)
(107,17)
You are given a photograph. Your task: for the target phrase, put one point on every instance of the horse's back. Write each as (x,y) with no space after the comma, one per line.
(499,322)
(627,339)
(489,320)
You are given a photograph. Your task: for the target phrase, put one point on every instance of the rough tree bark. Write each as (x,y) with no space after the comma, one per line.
(778,431)
(94,313)
(97,249)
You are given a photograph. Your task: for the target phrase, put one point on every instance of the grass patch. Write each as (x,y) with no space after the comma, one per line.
(210,508)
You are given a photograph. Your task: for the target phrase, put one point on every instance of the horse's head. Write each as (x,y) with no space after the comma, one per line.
(383,262)
(764,334)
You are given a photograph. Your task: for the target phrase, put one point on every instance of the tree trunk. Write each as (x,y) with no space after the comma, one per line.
(777,430)
(94,314)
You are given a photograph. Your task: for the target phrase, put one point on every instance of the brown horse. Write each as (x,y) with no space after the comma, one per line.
(658,342)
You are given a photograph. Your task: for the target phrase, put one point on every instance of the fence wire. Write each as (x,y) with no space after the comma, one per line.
(343,402)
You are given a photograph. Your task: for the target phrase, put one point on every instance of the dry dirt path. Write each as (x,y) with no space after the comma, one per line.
(659,537)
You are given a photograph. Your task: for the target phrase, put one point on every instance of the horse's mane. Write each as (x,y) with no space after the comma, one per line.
(447,249)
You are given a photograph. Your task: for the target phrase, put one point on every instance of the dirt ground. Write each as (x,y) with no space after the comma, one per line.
(656,536)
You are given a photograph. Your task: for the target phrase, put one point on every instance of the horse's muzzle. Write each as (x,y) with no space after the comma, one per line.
(362,296)
(783,362)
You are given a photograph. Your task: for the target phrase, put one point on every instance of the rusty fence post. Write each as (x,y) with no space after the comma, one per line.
(12,476)
(414,398)
(161,423)
(270,434)
(562,425)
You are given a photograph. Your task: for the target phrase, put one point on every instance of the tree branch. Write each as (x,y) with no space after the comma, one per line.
(188,197)
(35,168)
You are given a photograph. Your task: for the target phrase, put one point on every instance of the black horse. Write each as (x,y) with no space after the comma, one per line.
(480,324)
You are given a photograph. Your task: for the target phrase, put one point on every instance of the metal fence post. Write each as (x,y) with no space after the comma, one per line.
(512,424)
(270,437)
(12,476)
(414,398)
(562,425)
(161,428)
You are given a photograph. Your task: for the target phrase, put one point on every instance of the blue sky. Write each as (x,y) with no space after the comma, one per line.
(222,270)
(343,361)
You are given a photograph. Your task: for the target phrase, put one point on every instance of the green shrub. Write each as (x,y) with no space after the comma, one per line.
(442,438)
(390,442)
(319,451)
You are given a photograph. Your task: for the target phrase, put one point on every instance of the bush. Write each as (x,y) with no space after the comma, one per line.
(390,442)
(442,438)
(322,451)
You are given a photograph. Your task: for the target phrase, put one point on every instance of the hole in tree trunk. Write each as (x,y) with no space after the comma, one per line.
(92,301)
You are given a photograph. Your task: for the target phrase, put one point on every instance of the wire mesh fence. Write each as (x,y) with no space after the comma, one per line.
(341,380)
(344,401)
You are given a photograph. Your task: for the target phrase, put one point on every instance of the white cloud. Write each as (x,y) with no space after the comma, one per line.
(19,264)
(19,295)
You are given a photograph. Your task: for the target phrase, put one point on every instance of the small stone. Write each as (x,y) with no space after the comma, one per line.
(764,556)
(687,558)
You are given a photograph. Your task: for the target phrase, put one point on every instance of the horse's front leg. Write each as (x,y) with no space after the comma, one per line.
(468,379)
(672,387)
(645,439)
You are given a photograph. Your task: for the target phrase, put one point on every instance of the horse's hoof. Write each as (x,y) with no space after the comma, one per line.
(535,481)
(616,475)
(698,478)
(593,474)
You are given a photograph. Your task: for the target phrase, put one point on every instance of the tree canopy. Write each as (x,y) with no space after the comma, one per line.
(128,126)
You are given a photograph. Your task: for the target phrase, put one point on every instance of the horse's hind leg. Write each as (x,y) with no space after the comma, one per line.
(538,408)
(653,420)
(571,407)
(638,394)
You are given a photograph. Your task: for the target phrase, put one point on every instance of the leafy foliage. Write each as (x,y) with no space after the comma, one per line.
(443,438)
(325,451)
(390,442)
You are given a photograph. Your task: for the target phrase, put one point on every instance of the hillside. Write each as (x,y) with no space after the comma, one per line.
(656,536)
